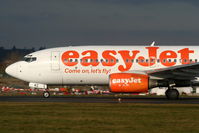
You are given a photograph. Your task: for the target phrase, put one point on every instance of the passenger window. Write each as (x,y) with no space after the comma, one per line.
(185,60)
(152,60)
(71,60)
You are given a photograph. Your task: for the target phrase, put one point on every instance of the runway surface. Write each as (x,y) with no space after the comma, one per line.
(88,99)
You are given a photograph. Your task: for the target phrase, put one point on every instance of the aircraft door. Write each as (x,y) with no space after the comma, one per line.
(55,61)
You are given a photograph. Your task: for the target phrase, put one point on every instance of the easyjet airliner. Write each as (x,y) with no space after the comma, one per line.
(126,69)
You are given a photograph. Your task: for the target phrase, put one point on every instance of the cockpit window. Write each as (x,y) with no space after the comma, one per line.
(30,59)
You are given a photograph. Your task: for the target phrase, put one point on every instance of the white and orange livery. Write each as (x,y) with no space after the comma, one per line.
(123,68)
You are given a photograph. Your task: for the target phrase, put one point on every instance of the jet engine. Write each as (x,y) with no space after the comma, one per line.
(132,83)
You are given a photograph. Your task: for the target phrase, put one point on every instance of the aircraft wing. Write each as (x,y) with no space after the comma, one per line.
(180,72)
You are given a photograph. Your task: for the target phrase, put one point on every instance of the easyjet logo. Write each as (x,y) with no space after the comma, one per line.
(109,57)
(127,81)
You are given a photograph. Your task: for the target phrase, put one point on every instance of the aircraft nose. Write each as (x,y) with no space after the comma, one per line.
(12,70)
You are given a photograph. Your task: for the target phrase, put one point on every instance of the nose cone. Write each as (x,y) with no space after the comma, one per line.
(12,70)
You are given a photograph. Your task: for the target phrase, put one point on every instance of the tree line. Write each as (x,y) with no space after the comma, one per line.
(9,56)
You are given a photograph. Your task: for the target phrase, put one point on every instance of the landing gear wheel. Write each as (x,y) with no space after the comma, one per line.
(46,94)
(172,94)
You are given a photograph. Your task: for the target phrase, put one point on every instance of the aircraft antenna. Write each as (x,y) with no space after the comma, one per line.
(153,43)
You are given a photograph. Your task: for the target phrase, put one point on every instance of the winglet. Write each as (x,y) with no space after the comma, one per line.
(153,43)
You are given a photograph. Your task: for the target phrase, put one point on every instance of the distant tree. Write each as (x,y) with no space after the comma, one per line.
(33,49)
(41,48)
(1,48)
(14,48)
(12,57)
(2,68)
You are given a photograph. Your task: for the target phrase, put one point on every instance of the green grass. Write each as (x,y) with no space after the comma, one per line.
(100,117)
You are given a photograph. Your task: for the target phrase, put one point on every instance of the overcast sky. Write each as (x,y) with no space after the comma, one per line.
(52,23)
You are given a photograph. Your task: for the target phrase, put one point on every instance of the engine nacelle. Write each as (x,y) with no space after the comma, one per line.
(133,82)
(128,82)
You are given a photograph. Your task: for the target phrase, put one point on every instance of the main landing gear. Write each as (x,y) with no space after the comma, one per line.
(172,94)
(46,94)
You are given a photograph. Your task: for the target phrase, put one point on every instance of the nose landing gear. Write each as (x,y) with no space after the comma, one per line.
(46,94)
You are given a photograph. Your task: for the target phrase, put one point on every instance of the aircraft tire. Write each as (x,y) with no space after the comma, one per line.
(46,94)
(172,94)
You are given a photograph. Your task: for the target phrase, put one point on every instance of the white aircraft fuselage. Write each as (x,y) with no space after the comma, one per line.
(92,65)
